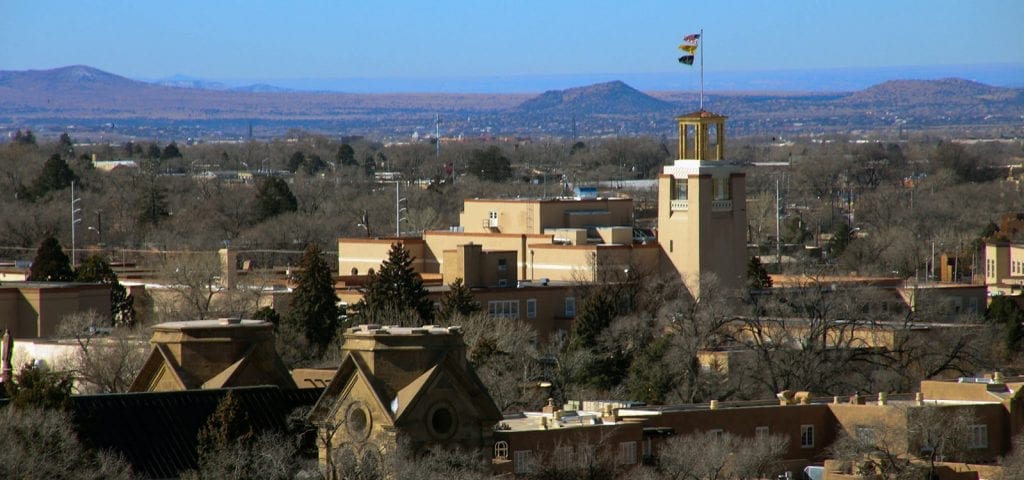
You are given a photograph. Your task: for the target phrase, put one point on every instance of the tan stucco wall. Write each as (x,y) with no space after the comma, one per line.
(366,253)
(533,216)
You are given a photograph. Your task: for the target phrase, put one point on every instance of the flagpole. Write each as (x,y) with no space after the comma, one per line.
(701,40)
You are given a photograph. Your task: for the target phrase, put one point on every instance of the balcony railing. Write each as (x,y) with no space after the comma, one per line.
(721,205)
(680,205)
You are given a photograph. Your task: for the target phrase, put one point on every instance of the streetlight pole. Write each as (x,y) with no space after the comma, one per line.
(74,220)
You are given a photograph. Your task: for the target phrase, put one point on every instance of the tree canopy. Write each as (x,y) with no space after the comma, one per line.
(273,198)
(56,175)
(396,290)
(490,164)
(457,301)
(314,307)
(96,270)
(51,264)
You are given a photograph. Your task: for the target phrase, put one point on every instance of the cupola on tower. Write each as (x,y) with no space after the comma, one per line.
(702,216)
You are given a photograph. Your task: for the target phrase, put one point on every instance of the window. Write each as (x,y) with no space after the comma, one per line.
(502,283)
(806,436)
(720,189)
(521,461)
(502,265)
(979,436)
(503,308)
(531,308)
(570,306)
(648,449)
(761,432)
(627,453)
(681,189)
(866,434)
(717,433)
(501,450)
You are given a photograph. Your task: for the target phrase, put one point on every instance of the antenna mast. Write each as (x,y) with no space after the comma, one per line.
(700,38)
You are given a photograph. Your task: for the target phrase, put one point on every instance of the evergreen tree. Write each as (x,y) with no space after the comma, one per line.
(490,164)
(1007,312)
(95,269)
(26,138)
(757,276)
(65,146)
(274,198)
(227,426)
(369,166)
(595,315)
(397,289)
(314,307)
(56,175)
(841,238)
(153,204)
(35,386)
(346,156)
(153,151)
(458,300)
(296,161)
(170,151)
(51,264)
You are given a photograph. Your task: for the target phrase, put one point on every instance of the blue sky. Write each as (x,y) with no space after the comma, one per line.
(268,40)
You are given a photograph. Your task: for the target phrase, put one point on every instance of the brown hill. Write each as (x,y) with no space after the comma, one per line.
(602,98)
(926,92)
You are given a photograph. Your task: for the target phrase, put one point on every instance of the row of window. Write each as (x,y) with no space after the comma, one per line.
(510,308)
(1017,267)
(564,455)
(720,189)
(990,268)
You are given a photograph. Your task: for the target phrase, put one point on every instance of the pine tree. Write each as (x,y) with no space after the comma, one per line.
(314,307)
(56,175)
(346,156)
(458,300)
(95,269)
(274,198)
(757,276)
(35,386)
(51,263)
(397,290)
(227,426)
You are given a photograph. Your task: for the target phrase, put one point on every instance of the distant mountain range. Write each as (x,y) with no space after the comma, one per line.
(91,100)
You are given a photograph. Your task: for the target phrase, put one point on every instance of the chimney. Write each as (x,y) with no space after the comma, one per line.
(919,399)
(6,351)
(714,405)
(882,398)
(550,407)
(228,268)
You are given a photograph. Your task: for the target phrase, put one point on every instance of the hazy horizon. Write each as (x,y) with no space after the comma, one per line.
(786,80)
(525,45)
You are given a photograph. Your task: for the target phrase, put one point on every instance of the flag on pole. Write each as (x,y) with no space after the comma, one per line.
(688,48)
(693,37)
(686,59)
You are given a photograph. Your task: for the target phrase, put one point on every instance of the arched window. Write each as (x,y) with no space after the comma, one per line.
(501,450)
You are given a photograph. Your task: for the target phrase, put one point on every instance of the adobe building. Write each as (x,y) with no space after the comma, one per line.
(625,435)
(702,206)
(1004,267)
(548,245)
(203,354)
(34,309)
(402,386)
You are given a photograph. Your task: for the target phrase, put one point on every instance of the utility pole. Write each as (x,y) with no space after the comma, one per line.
(75,219)
(778,229)
(398,211)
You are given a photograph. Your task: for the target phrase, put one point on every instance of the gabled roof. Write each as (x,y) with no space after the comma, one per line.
(157,432)
(463,380)
(160,362)
(351,366)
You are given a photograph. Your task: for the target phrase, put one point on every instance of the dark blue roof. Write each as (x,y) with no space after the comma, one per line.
(156,431)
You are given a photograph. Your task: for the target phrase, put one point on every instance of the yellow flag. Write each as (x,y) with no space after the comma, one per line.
(688,48)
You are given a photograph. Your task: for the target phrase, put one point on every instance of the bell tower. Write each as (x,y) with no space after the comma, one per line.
(702,212)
